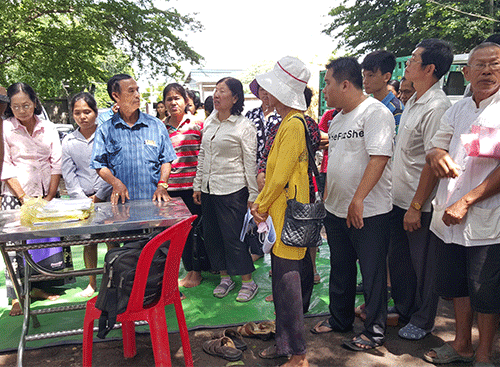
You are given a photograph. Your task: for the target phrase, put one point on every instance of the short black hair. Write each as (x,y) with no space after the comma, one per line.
(87,98)
(495,38)
(438,53)
(114,84)
(346,68)
(194,96)
(209,104)
(308,94)
(25,88)
(177,88)
(379,60)
(236,89)
(394,83)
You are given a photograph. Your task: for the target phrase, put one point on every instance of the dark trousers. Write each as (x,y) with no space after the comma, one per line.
(222,223)
(369,245)
(292,288)
(188,254)
(412,268)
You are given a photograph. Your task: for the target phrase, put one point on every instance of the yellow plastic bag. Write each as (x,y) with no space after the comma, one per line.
(33,211)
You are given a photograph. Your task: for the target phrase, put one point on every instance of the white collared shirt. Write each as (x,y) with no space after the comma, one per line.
(226,162)
(481,225)
(419,123)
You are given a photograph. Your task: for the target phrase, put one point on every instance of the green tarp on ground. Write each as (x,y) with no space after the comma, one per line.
(201,308)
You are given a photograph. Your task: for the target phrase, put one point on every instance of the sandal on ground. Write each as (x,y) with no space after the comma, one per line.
(265,330)
(317,278)
(324,323)
(271,353)
(412,332)
(236,337)
(248,330)
(224,288)
(223,347)
(247,292)
(446,354)
(352,344)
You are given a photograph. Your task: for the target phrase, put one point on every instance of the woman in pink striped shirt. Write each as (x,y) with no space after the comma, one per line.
(184,131)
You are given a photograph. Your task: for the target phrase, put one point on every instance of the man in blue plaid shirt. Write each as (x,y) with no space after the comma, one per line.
(132,151)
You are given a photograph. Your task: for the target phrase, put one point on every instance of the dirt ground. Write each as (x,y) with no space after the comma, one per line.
(323,350)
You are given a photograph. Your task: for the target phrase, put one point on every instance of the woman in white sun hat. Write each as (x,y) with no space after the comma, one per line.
(286,172)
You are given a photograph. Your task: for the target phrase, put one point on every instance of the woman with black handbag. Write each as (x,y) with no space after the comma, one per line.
(287,178)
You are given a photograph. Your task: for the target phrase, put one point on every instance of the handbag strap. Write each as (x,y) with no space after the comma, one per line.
(310,154)
(309,148)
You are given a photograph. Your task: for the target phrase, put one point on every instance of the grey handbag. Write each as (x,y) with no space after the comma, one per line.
(303,222)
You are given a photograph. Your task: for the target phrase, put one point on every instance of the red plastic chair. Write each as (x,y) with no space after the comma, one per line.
(154,314)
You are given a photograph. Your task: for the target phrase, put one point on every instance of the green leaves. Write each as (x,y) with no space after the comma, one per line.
(51,43)
(398,25)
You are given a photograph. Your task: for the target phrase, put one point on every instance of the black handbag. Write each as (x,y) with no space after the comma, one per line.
(303,222)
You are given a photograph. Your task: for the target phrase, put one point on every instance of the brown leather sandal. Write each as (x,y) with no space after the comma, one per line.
(223,347)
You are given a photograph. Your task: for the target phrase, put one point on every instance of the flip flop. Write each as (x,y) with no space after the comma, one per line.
(352,344)
(223,347)
(271,353)
(446,354)
(324,323)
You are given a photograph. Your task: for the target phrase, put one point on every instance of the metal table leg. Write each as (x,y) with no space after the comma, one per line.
(10,270)
(26,319)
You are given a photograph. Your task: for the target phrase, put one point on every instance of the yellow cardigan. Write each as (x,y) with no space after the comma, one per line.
(287,163)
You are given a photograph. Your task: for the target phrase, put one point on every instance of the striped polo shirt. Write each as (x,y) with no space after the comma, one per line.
(186,140)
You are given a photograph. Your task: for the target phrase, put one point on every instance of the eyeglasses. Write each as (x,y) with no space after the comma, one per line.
(412,60)
(480,66)
(24,107)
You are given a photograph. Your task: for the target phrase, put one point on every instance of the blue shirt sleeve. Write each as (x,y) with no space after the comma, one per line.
(99,154)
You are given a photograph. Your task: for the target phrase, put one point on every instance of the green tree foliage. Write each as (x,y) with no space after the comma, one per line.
(398,25)
(56,43)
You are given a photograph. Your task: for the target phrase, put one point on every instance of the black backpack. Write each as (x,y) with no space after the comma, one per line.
(119,272)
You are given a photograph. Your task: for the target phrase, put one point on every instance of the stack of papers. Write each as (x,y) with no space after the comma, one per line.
(64,208)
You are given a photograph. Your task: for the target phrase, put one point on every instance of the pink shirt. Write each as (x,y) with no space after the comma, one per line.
(31,159)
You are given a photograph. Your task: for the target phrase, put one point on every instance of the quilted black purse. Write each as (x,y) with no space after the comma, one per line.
(303,222)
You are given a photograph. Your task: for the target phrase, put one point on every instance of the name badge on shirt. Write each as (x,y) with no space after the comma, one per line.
(150,142)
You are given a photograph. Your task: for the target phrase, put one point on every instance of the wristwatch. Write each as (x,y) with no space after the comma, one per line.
(416,205)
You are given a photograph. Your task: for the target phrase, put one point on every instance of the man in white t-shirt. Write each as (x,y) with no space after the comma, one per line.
(466,217)
(358,202)
(411,257)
